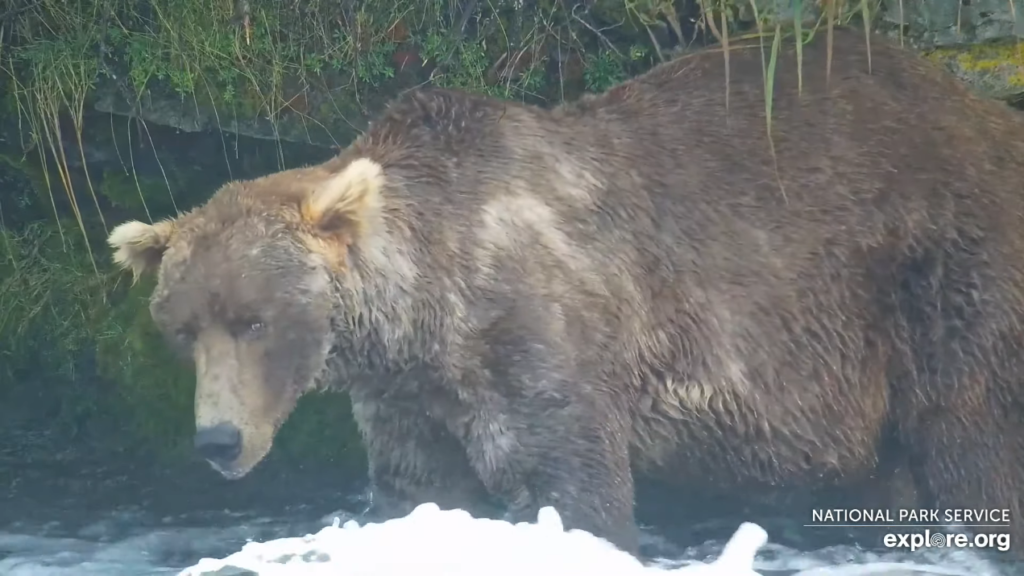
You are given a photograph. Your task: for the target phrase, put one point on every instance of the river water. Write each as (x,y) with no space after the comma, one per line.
(74,518)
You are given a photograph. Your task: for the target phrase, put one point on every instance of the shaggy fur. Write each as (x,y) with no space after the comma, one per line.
(536,304)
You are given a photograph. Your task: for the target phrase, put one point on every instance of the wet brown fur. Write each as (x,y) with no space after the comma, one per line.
(546,301)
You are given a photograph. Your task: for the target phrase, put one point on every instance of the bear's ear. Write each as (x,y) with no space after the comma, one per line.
(140,246)
(345,204)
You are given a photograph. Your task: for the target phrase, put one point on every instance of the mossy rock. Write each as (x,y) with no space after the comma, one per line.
(994,70)
(944,23)
(23,184)
(138,195)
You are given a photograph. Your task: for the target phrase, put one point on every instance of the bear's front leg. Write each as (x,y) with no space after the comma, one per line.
(414,459)
(540,434)
(552,450)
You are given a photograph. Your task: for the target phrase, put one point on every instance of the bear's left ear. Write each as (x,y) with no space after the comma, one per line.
(345,205)
(140,246)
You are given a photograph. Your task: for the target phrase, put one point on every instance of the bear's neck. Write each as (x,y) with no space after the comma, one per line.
(381,324)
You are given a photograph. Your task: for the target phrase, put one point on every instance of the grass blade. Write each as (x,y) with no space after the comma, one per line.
(798,21)
(769,80)
(903,23)
(768,72)
(866,15)
(828,40)
(725,51)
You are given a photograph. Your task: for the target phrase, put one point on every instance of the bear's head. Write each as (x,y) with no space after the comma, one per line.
(247,286)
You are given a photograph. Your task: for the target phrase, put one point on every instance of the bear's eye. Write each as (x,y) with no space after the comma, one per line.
(249,329)
(184,337)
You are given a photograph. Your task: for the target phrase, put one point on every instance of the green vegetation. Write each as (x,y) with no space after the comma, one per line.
(296,71)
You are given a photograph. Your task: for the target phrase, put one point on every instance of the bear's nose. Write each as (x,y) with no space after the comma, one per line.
(220,444)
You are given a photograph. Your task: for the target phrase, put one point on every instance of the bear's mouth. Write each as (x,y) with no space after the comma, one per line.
(252,452)
(229,472)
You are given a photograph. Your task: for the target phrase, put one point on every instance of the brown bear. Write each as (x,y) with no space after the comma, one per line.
(537,304)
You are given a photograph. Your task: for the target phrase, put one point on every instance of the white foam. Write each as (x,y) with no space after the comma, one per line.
(431,541)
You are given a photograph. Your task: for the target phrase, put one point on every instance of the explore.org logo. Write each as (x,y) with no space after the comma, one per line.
(913,528)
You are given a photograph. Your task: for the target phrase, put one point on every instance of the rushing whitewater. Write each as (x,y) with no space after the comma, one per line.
(134,542)
(431,542)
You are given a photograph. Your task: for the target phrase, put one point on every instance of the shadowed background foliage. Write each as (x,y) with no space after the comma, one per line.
(117,109)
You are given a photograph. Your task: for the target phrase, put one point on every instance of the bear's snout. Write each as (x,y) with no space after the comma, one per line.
(220,444)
